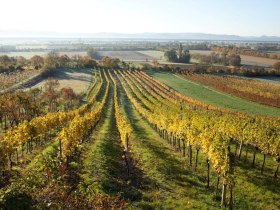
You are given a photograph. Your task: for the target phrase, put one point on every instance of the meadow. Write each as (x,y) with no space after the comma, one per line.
(126,55)
(77,79)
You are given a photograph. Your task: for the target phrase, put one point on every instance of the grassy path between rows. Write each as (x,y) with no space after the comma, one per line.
(104,170)
(211,96)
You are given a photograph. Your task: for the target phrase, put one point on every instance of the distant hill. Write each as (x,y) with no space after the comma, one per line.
(166,36)
(187,36)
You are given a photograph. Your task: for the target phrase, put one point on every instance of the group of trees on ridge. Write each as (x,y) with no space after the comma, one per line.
(182,55)
(216,58)
(51,61)
(179,56)
(54,61)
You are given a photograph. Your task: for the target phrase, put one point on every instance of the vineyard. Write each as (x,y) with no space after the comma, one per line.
(7,80)
(212,96)
(260,92)
(140,144)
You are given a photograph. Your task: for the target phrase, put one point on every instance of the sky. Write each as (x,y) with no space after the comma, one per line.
(234,17)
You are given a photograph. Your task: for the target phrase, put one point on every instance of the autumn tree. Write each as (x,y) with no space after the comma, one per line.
(51,93)
(276,66)
(51,61)
(87,62)
(155,63)
(21,62)
(110,62)
(234,60)
(67,96)
(63,61)
(5,62)
(10,106)
(37,61)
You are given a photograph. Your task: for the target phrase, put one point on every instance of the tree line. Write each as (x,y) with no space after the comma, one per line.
(245,51)
(178,56)
(17,106)
(225,59)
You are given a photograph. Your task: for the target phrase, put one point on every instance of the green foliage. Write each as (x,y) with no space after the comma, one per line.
(182,56)
(171,55)
(185,57)
(16,199)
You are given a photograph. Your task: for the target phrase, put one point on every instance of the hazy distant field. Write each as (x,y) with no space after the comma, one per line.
(37,46)
(73,53)
(42,53)
(250,60)
(159,55)
(203,52)
(78,79)
(126,55)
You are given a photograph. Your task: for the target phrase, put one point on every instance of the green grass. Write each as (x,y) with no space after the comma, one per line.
(104,168)
(211,96)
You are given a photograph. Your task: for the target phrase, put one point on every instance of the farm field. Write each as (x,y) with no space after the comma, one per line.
(159,55)
(124,150)
(213,97)
(16,78)
(77,79)
(126,55)
(72,53)
(257,61)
